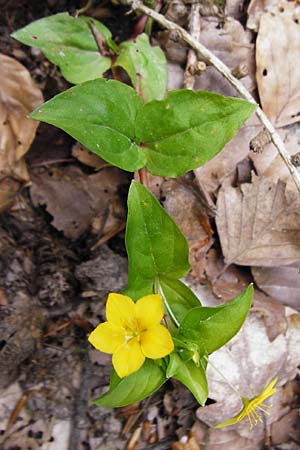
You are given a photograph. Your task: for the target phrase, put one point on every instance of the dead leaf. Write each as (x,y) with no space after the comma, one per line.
(86,157)
(223,165)
(18,97)
(250,361)
(281,283)
(270,164)
(228,40)
(225,282)
(76,200)
(272,313)
(278,63)
(287,428)
(256,9)
(259,224)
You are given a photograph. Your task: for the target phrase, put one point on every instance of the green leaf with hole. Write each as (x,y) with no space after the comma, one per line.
(180,298)
(193,377)
(211,328)
(69,43)
(146,67)
(155,244)
(101,115)
(187,129)
(133,388)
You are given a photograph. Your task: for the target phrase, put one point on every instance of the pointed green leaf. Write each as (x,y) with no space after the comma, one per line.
(101,115)
(133,388)
(69,43)
(211,328)
(187,129)
(194,378)
(146,67)
(179,297)
(154,243)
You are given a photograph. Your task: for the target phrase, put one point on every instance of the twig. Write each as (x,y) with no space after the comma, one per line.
(194,29)
(225,71)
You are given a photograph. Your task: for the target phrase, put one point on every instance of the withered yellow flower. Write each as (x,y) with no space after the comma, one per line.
(250,406)
(132,332)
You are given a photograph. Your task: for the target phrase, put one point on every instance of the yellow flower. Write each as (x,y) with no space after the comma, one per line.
(250,406)
(132,332)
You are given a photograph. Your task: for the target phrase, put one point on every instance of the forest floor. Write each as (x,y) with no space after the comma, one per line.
(62,245)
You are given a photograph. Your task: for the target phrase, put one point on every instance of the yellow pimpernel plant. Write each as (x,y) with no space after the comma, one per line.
(132,332)
(250,406)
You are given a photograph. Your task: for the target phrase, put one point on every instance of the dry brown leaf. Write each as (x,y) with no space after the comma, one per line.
(278,63)
(232,44)
(270,164)
(225,283)
(282,283)
(259,224)
(250,361)
(86,157)
(76,200)
(256,9)
(18,97)
(215,171)
(272,313)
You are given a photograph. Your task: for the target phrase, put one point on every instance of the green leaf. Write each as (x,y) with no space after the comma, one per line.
(69,43)
(187,129)
(194,378)
(179,297)
(211,328)
(101,115)
(146,67)
(154,243)
(133,388)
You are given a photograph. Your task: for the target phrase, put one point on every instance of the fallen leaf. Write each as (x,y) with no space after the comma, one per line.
(225,282)
(249,362)
(85,156)
(272,313)
(281,283)
(259,224)
(270,164)
(223,165)
(256,9)
(278,63)
(228,40)
(18,97)
(76,200)
(287,428)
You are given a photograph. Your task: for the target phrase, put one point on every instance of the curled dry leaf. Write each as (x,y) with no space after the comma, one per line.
(282,283)
(250,361)
(278,63)
(86,157)
(259,224)
(18,97)
(76,200)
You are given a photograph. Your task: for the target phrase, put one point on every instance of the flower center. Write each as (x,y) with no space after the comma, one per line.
(132,331)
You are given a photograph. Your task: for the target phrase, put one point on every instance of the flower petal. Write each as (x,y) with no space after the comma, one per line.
(156,342)
(120,309)
(107,337)
(128,358)
(149,311)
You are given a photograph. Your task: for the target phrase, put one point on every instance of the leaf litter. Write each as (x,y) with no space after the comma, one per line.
(268,346)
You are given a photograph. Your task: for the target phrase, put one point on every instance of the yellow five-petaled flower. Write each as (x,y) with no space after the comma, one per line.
(250,406)
(132,332)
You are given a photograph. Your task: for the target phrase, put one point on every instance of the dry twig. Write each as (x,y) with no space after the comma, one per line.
(137,5)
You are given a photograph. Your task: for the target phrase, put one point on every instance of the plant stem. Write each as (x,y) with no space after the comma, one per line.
(158,290)
(225,71)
